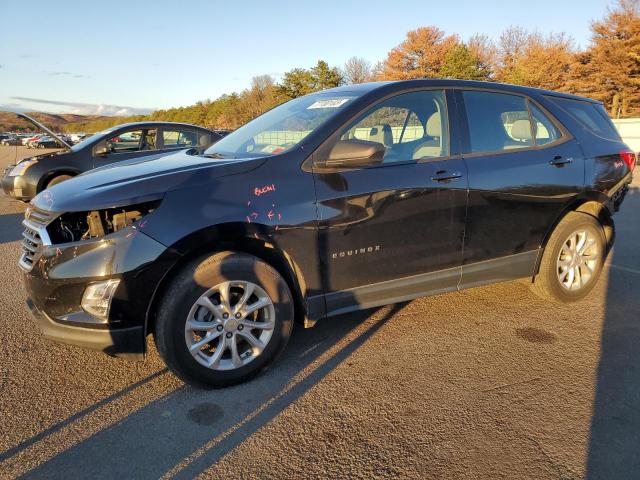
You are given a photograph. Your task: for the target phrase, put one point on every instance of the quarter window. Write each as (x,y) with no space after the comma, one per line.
(411,126)
(591,115)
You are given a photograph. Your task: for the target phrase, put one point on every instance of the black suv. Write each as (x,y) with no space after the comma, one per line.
(337,201)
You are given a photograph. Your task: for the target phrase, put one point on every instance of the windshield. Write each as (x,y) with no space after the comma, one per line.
(282,128)
(89,139)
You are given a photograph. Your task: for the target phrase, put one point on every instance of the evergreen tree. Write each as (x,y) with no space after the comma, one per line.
(461,63)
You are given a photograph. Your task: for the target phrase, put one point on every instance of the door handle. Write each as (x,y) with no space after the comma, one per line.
(559,161)
(444,176)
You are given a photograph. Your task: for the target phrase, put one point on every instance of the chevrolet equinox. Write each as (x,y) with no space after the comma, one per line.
(337,201)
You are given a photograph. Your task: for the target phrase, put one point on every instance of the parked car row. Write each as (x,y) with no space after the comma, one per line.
(39,140)
(13,138)
(42,141)
(338,201)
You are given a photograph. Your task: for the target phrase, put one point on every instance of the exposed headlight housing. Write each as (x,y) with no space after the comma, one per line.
(97,297)
(76,226)
(22,167)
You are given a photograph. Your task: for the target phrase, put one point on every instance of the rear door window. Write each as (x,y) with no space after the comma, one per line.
(543,128)
(497,121)
(179,138)
(591,115)
(502,121)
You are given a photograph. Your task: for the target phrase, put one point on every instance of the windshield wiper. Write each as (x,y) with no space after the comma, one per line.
(214,155)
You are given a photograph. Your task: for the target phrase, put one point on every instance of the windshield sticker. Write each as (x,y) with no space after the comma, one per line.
(333,103)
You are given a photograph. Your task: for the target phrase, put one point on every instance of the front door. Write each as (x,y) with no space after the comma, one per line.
(124,145)
(393,231)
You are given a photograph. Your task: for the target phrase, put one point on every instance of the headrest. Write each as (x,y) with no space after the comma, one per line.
(521,130)
(434,126)
(382,134)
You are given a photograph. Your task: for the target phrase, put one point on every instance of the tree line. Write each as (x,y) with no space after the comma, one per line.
(608,69)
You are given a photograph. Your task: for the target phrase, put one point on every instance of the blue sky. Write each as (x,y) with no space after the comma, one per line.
(126,56)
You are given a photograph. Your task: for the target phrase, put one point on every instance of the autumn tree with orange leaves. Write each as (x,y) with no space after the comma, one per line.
(533,59)
(609,70)
(421,55)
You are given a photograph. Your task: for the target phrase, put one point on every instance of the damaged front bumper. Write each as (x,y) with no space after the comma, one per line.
(56,278)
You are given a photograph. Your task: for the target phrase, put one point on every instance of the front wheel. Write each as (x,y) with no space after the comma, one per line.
(572,260)
(58,179)
(223,319)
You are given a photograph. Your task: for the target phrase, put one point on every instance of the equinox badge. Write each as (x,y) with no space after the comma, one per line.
(355,251)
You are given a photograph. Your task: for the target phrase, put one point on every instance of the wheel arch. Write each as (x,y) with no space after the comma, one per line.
(50,175)
(592,203)
(231,237)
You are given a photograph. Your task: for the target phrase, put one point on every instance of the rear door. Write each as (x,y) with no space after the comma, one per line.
(524,168)
(394,230)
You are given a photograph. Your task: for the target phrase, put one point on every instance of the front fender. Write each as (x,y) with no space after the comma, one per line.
(254,239)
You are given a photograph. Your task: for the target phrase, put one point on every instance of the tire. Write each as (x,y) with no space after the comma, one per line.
(555,281)
(57,179)
(206,277)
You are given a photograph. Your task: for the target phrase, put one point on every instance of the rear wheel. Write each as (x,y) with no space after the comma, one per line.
(572,260)
(223,319)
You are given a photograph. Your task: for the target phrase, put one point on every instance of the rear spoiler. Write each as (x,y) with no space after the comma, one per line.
(42,127)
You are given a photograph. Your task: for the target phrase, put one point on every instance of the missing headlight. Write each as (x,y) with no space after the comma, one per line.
(75,226)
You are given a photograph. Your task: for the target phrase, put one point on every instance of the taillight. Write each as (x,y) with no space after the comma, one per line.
(629,158)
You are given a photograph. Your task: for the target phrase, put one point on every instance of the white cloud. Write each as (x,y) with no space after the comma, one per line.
(67,74)
(88,108)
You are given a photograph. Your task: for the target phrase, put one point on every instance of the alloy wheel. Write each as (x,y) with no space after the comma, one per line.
(578,260)
(230,325)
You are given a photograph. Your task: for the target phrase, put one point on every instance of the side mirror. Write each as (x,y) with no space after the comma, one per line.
(102,149)
(354,154)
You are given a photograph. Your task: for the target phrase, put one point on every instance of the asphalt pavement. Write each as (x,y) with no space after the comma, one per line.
(490,382)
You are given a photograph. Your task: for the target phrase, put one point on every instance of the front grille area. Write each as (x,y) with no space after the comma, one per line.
(38,217)
(34,236)
(30,243)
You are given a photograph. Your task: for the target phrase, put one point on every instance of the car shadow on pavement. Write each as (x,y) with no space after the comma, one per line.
(614,443)
(188,430)
(68,421)
(11,227)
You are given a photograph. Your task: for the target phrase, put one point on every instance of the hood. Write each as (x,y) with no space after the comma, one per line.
(44,155)
(130,182)
(45,129)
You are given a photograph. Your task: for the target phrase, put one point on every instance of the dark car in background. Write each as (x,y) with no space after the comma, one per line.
(123,142)
(13,139)
(45,142)
(337,201)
